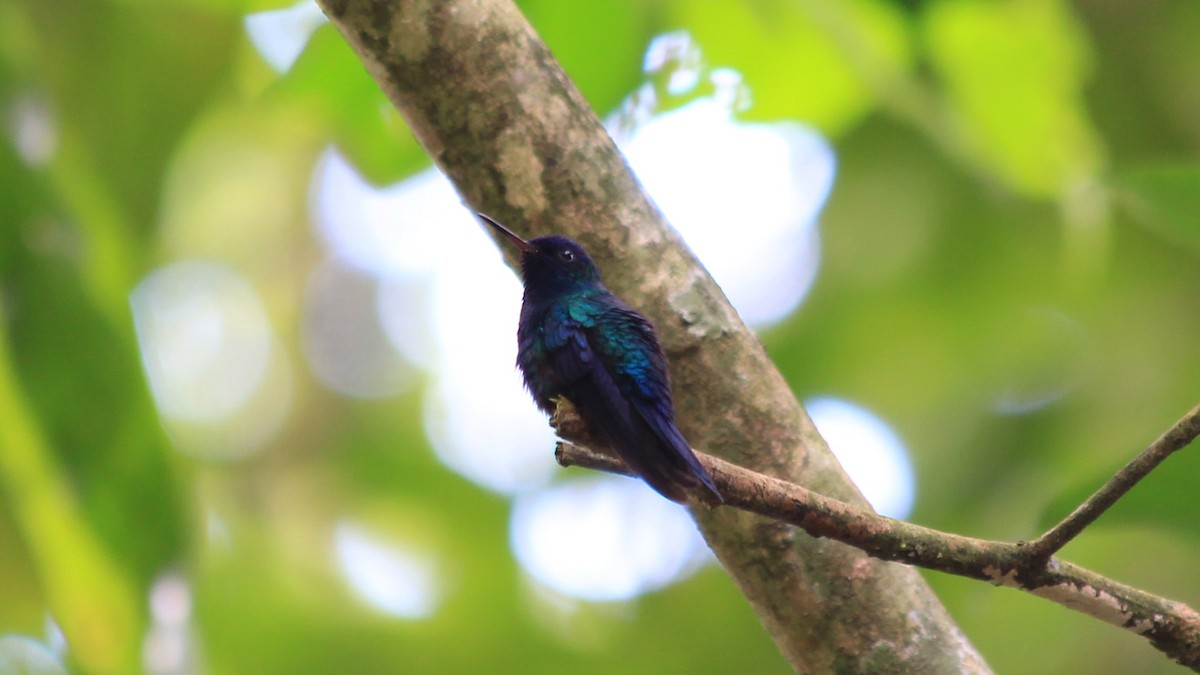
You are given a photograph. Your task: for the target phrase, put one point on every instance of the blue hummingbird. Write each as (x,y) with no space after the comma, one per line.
(577,340)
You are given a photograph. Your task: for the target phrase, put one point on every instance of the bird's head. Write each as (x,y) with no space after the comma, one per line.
(550,263)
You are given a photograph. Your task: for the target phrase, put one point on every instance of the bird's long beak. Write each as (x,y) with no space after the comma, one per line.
(508,234)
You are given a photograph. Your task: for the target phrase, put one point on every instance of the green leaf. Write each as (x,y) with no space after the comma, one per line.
(767,42)
(1014,74)
(605,61)
(330,82)
(86,587)
(76,364)
(103,54)
(1165,199)
(801,60)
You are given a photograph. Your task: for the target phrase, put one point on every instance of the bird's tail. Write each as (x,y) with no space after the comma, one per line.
(673,470)
(647,439)
(664,460)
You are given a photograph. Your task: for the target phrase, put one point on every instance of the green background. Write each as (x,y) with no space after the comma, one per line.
(1015,220)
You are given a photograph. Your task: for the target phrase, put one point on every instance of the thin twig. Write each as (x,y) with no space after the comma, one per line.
(1178,436)
(1172,627)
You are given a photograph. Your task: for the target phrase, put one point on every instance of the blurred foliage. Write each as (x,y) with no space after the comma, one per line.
(1009,276)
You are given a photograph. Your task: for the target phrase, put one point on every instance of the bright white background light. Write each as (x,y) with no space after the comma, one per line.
(400,581)
(870,452)
(745,197)
(204,336)
(450,305)
(212,359)
(608,538)
(280,35)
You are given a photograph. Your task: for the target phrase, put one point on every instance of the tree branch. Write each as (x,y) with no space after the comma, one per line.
(1172,627)
(1178,436)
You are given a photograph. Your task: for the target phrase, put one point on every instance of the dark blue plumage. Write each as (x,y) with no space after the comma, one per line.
(578,340)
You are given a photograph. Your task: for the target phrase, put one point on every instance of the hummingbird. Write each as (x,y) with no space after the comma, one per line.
(577,340)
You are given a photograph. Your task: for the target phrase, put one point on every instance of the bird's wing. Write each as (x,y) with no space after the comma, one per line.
(579,369)
(569,350)
(639,371)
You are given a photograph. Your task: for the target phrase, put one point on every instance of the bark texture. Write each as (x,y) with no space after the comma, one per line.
(490,105)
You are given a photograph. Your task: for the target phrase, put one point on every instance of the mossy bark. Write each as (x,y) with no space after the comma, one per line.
(490,105)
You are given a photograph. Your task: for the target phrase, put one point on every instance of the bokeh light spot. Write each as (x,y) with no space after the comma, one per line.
(871,453)
(25,655)
(745,197)
(400,581)
(32,128)
(399,229)
(168,648)
(204,336)
(451,309)
(211,358)
(280,35)
(604,539)
(344,341)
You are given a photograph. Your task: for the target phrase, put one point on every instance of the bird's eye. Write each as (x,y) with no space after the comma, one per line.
(567,255)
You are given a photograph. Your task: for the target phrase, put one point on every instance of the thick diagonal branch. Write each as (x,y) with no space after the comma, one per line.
(490,105)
